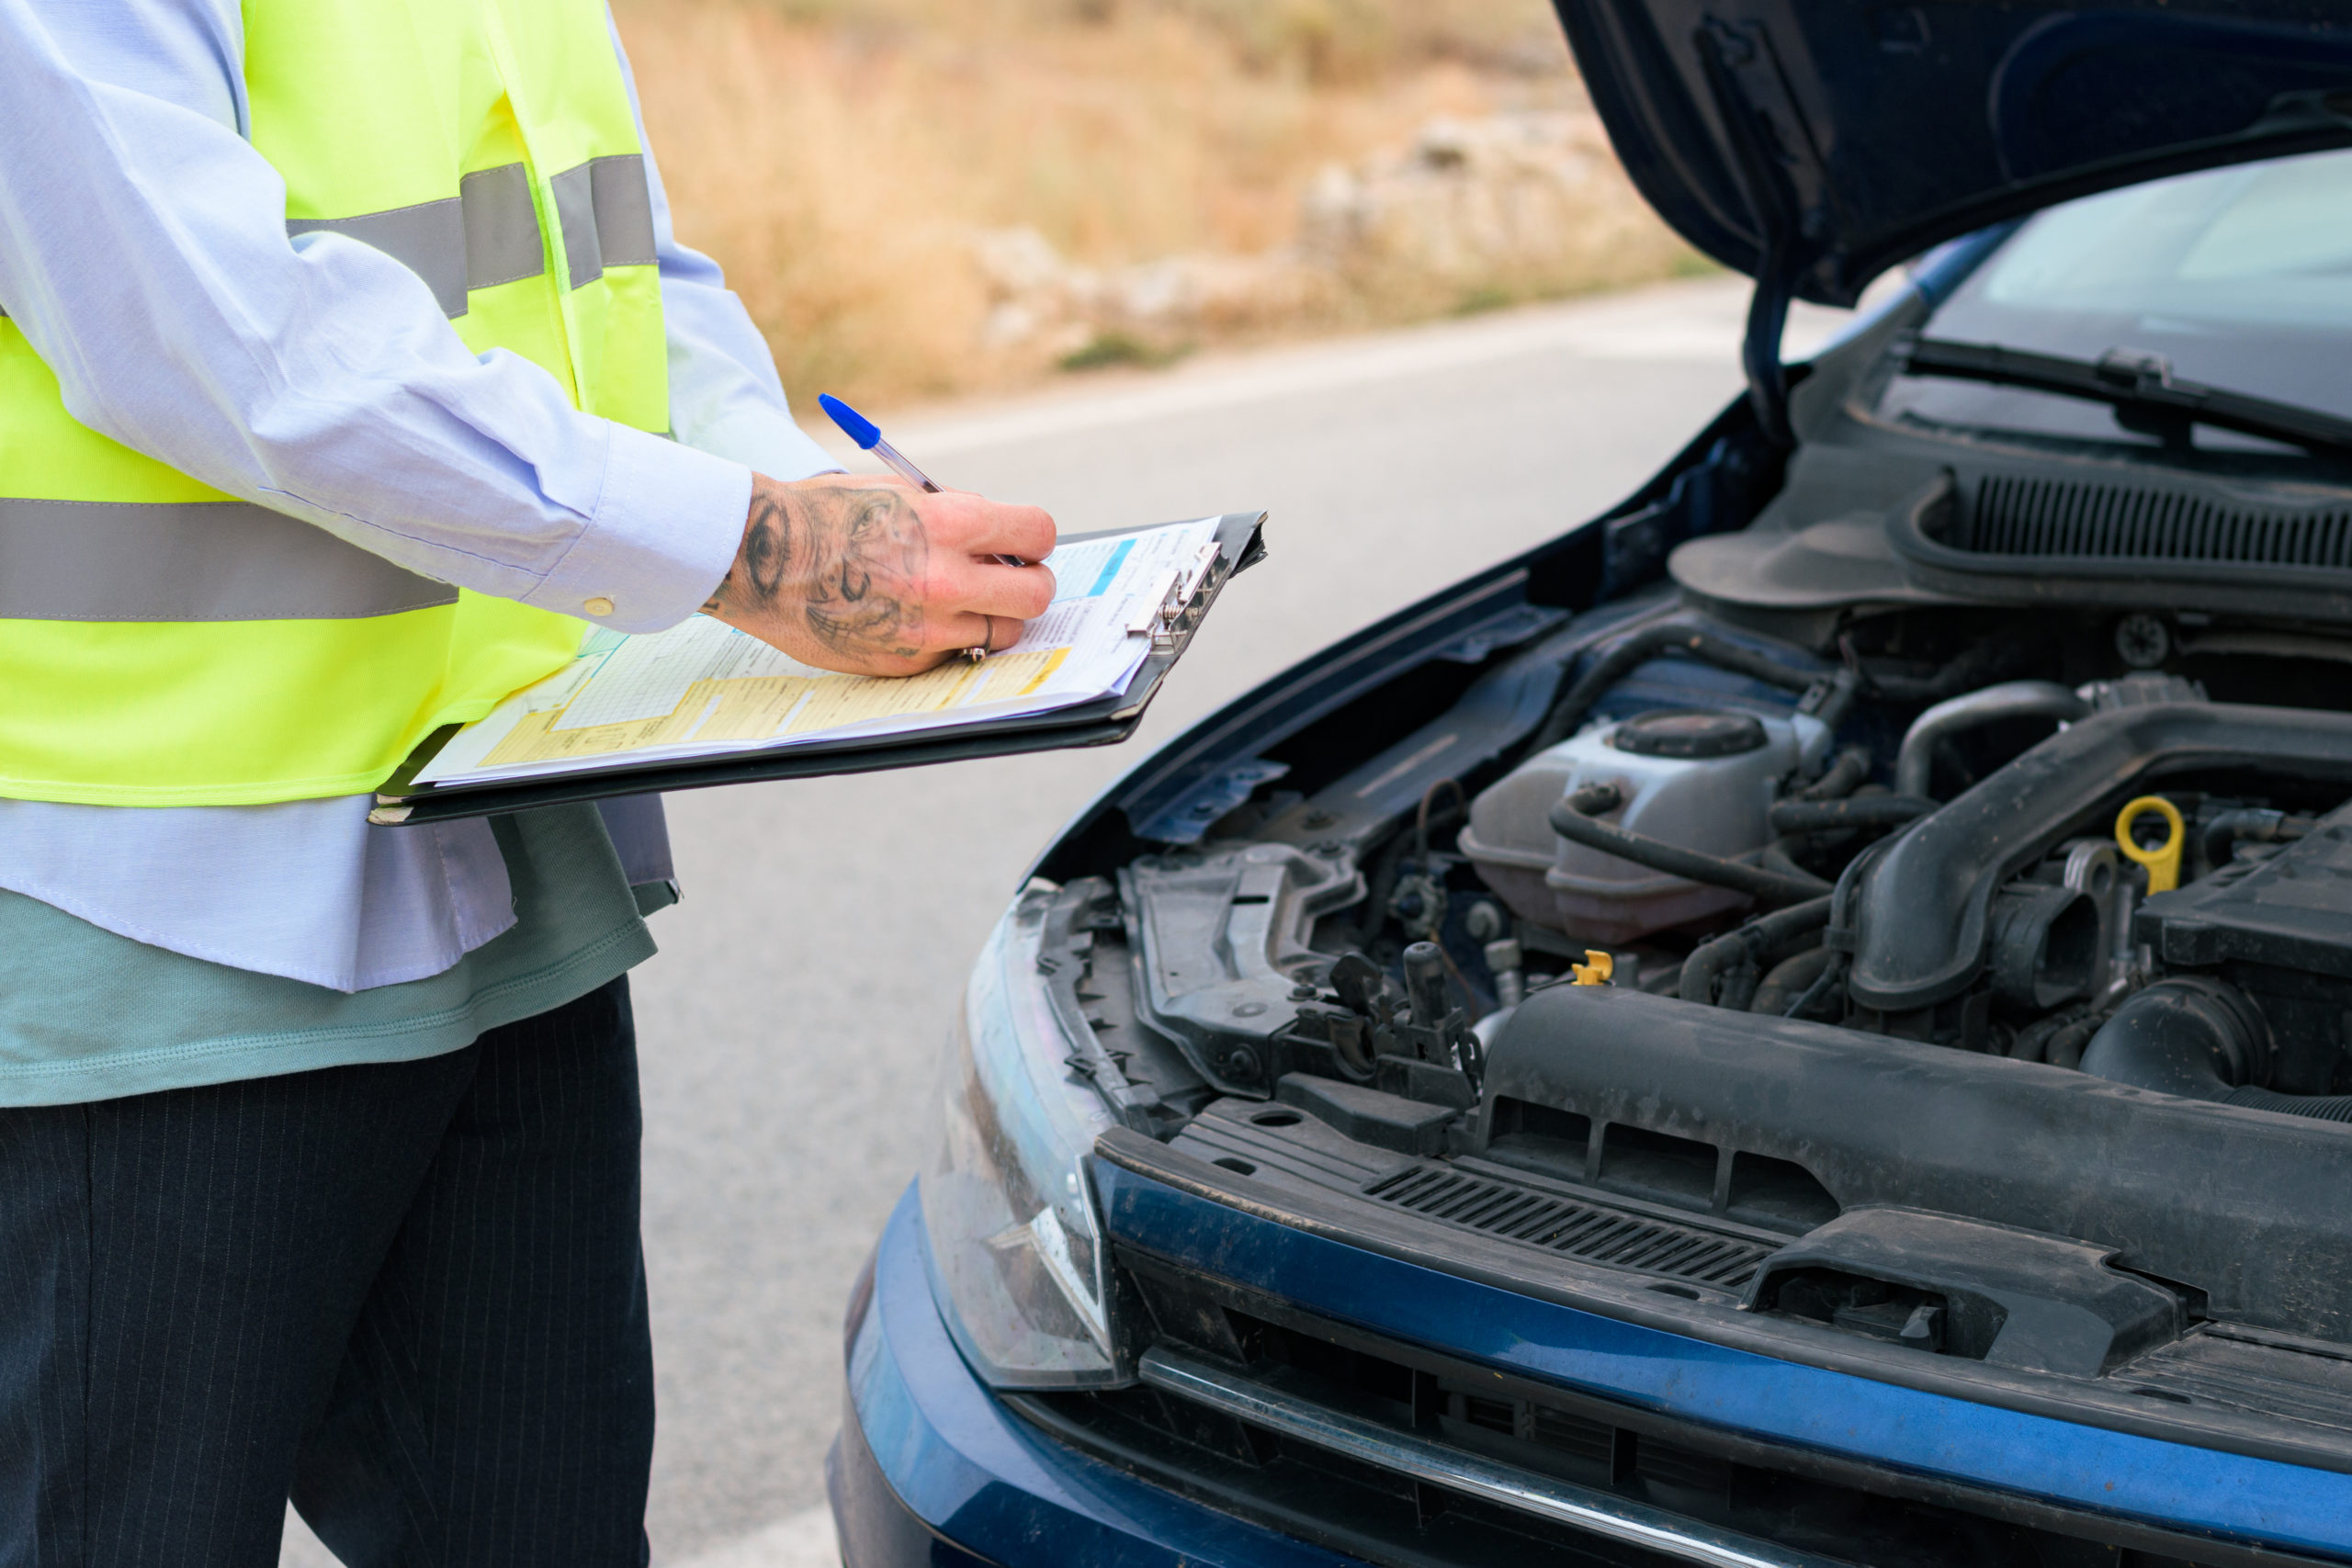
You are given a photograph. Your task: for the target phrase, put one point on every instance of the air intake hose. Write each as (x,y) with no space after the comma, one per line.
(2201,1040)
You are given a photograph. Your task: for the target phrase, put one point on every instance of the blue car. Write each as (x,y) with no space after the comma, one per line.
(1807,1021)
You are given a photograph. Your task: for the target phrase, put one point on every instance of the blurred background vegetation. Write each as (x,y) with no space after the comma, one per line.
(925,198)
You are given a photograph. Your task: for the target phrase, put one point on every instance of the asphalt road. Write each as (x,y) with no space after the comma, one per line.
(789,1026)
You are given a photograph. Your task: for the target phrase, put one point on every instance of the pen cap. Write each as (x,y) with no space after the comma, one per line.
(855,425)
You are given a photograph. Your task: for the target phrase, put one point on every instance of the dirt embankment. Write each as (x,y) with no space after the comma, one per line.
(923,198)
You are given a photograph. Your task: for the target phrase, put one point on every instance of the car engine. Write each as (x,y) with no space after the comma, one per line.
(1966,919)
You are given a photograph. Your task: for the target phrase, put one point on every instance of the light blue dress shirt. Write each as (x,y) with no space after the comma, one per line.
(143,254)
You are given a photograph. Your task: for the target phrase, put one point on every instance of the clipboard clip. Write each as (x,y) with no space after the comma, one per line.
(1176,607)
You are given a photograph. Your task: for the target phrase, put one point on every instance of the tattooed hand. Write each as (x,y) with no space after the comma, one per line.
(876,577)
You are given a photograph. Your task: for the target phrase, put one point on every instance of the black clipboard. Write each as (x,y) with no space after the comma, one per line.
(1240,545)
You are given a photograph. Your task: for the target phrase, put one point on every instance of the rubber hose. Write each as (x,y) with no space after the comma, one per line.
(1850,768)
(2011,699)
(2223,832)
(1791,817)
(1844,775)
(1978,664)
(1789,979)
(2066,1045)
(2198,1039)
(2032,1042)
(1760,939)
(1678,636)
(2323,1106)
(1832,972)
(1771,888)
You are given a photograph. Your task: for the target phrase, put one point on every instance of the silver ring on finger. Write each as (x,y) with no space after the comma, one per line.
(987,643)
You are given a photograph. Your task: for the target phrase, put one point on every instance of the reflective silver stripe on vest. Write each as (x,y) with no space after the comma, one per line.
(502,242)
(214,560)
(605,209)
(429,239)
(485,235)
(489,234)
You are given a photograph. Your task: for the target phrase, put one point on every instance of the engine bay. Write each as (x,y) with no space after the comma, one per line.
(1919,970)
(1973,985)
(1993,1008)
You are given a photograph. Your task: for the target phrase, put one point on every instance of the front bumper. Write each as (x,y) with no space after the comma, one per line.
(932,1468)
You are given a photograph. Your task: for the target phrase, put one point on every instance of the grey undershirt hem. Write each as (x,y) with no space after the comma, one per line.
(86,1014)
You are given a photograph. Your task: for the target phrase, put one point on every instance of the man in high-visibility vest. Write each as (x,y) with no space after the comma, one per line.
(349,366)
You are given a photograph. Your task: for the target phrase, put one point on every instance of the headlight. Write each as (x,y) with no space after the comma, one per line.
(1016,1258)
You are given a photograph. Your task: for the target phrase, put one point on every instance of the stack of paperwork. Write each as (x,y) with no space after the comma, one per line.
(703,689)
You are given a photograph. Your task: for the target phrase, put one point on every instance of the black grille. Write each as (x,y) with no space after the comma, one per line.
(1572,1228)
(2018,516)
(1850,1513)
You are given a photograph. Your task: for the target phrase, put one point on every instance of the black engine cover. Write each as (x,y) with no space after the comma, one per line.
(2232,1202)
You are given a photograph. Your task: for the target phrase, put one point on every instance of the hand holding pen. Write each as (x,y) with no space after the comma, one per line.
(873,578)
(868,435)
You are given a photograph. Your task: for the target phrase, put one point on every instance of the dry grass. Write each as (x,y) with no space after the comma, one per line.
(838,156)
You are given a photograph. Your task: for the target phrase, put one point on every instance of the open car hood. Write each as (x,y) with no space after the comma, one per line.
(1813,143)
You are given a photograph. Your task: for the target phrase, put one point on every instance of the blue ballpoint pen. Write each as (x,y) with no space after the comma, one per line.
(868,435)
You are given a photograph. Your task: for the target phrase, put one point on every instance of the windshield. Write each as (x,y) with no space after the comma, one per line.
(2240,277)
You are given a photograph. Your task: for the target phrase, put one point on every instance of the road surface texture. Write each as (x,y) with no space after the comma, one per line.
(789,1027)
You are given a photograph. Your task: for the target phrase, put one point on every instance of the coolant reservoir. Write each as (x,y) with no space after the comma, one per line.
(1697,778)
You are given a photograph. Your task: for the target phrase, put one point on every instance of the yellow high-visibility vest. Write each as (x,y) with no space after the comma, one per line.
(162,644)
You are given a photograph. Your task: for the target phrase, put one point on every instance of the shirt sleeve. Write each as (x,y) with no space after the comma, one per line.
(143,255)
(725,396)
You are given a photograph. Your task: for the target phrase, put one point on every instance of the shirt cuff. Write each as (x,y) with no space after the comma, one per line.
(666,528)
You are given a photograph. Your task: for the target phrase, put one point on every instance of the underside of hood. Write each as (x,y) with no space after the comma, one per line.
(1813,143)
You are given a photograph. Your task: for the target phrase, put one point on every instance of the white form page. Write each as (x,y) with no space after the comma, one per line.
(702,688)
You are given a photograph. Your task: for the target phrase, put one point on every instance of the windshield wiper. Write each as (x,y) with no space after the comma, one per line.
(2142,389)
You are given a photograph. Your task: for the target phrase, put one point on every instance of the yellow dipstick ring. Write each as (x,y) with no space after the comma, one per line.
(1596,969)
(2164,861)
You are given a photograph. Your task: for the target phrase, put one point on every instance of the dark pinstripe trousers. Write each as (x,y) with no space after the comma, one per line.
(409,1296)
